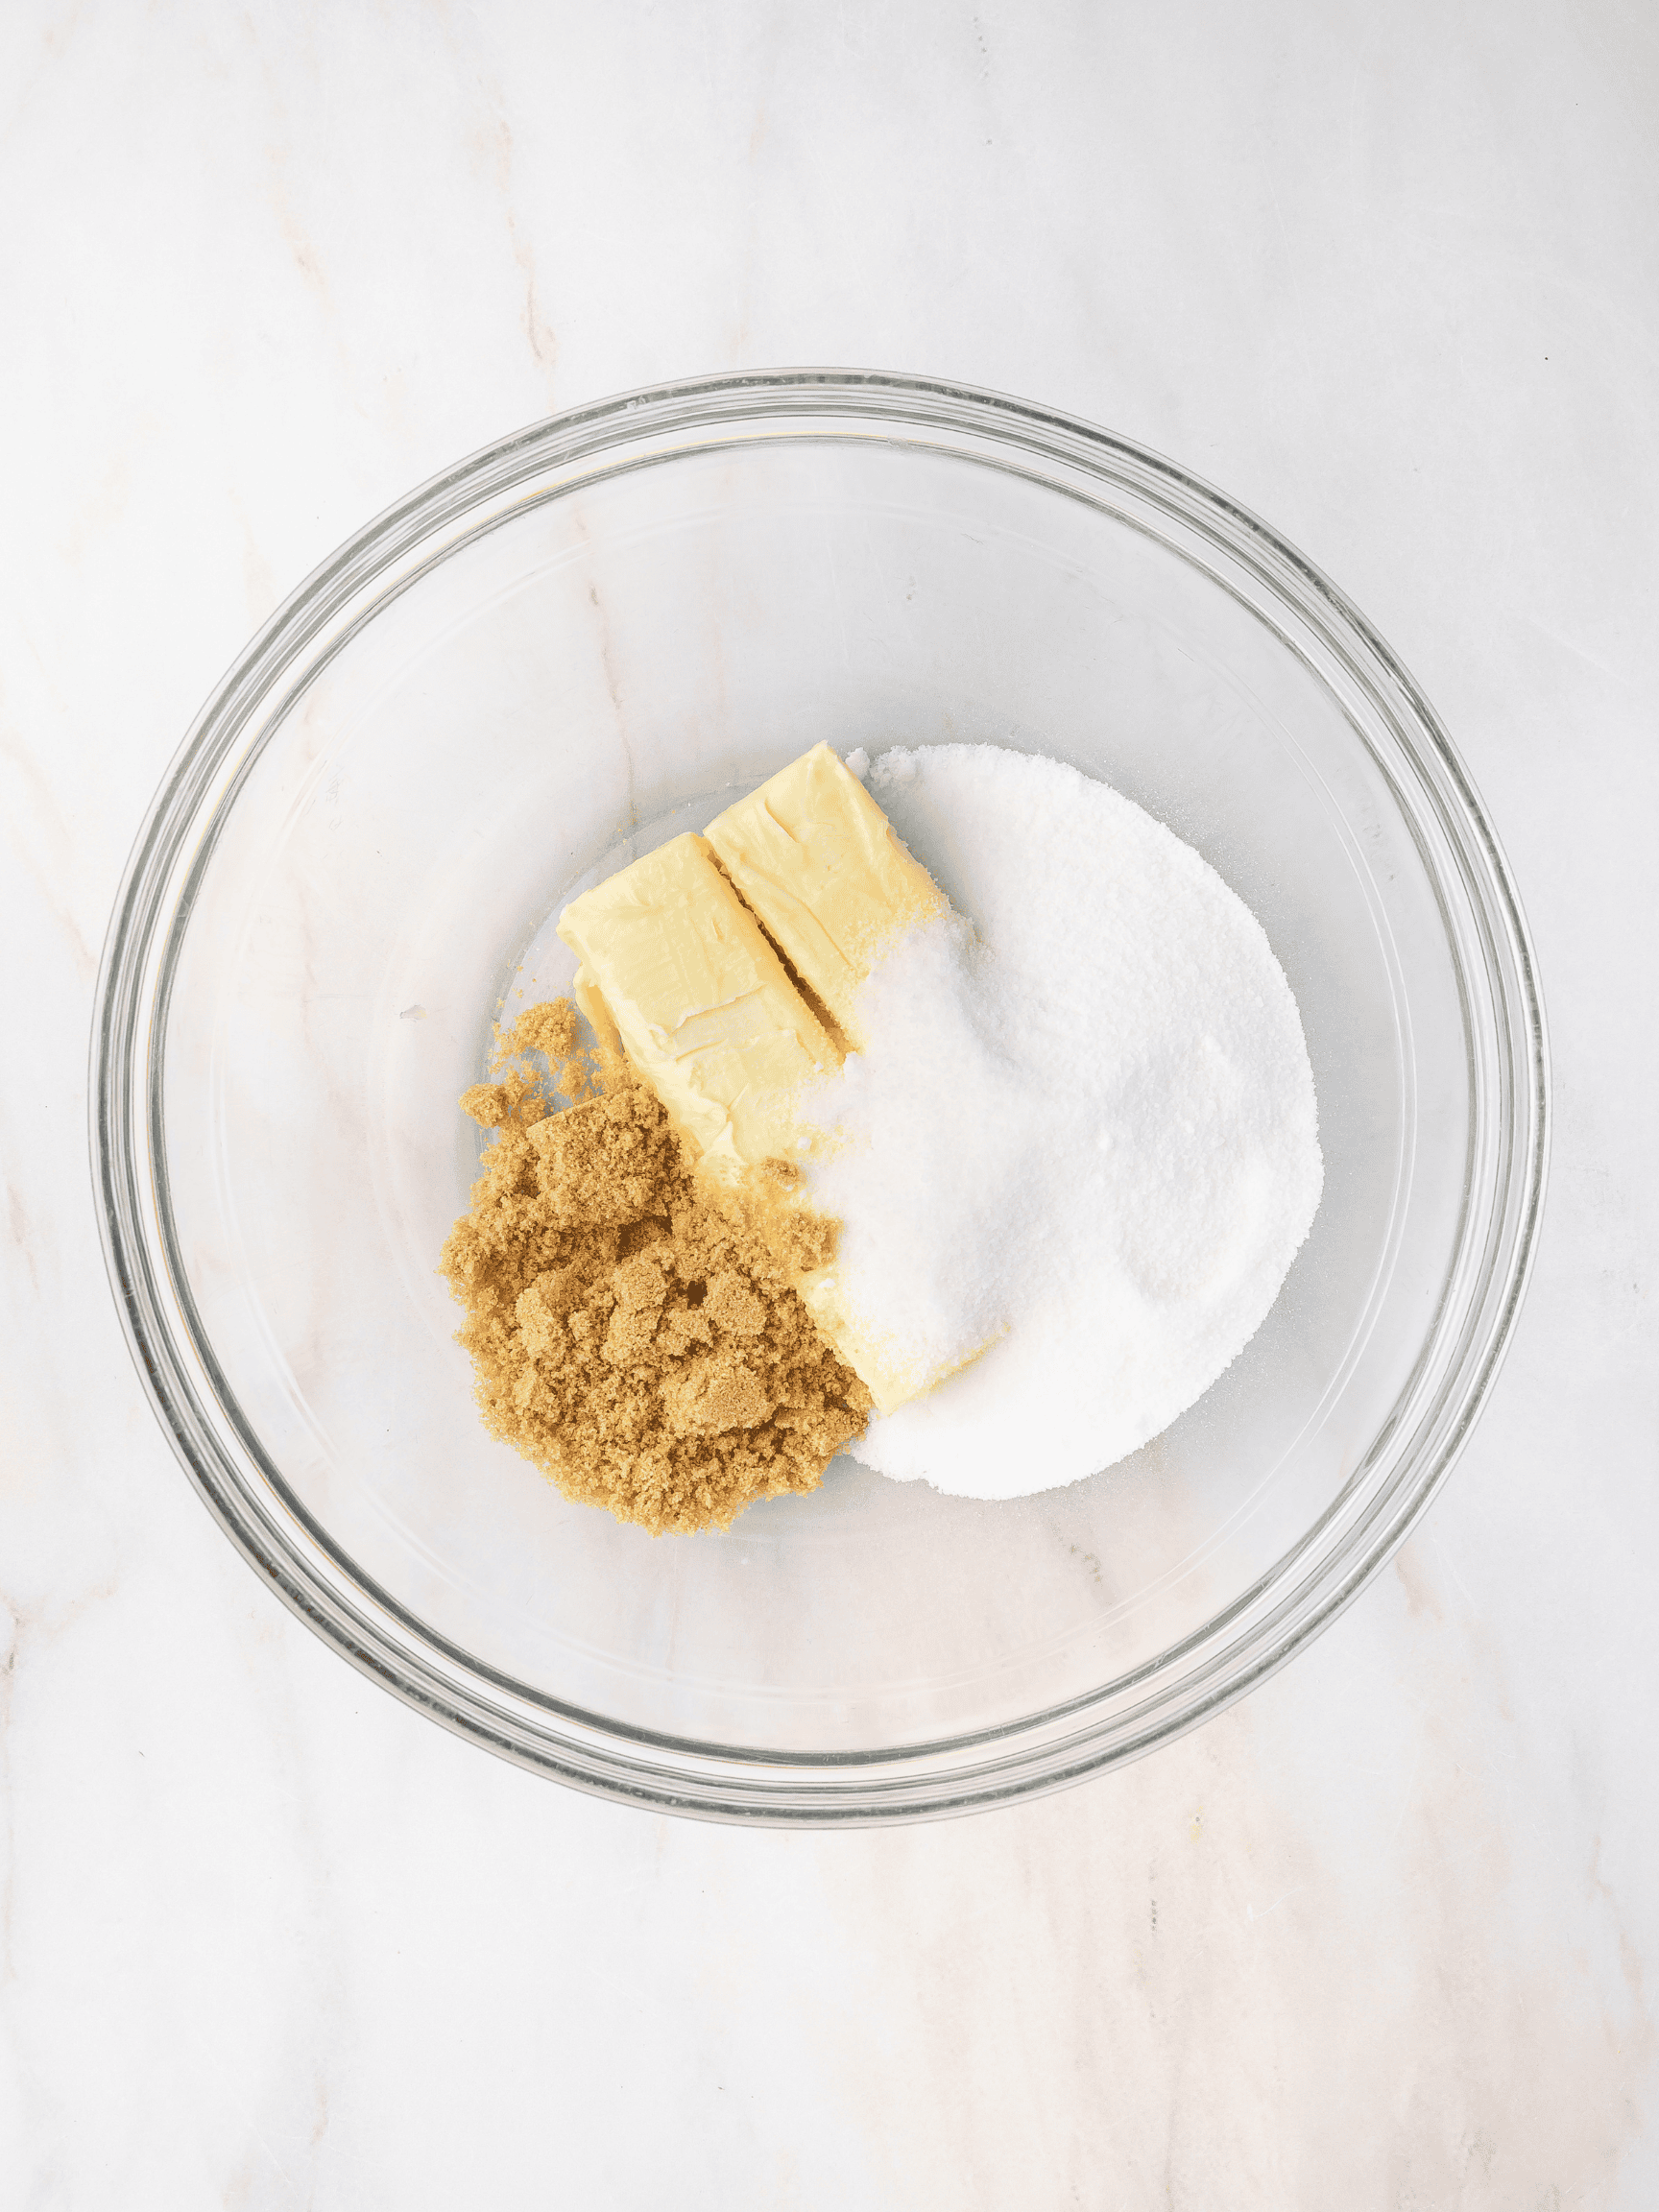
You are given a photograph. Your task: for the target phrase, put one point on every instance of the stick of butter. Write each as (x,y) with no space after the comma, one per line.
(705,1008)
(818,861)
(675,962)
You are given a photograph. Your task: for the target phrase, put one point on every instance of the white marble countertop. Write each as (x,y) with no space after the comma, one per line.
(1381,1936)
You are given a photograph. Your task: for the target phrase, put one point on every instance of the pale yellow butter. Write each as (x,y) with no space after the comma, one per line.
(675,962)
(590,1005)
(891,1379)
(818,861)
(702,1004)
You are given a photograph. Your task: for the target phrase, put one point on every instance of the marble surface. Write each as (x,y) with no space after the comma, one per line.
(1387,1934)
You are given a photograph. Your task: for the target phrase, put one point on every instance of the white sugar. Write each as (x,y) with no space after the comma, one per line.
(1084,1128)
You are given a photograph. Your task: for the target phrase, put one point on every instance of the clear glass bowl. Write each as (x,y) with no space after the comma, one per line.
(581,642)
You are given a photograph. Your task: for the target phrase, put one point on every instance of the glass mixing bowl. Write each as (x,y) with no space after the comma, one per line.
(593,636)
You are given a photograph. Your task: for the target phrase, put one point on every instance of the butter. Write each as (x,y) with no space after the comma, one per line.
(590,1005)
(890,1380)
(818,861)
(702,1002)
(674,963)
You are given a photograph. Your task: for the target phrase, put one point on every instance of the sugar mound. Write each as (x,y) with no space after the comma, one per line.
(1082,1131)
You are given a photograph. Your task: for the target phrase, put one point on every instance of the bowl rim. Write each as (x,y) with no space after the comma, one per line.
(1234,1651)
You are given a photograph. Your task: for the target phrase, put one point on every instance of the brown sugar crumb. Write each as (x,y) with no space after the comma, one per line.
(635,1342)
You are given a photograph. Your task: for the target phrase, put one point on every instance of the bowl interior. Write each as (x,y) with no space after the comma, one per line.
(591,670)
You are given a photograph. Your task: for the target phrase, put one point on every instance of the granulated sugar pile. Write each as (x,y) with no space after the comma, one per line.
(1083,1127)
